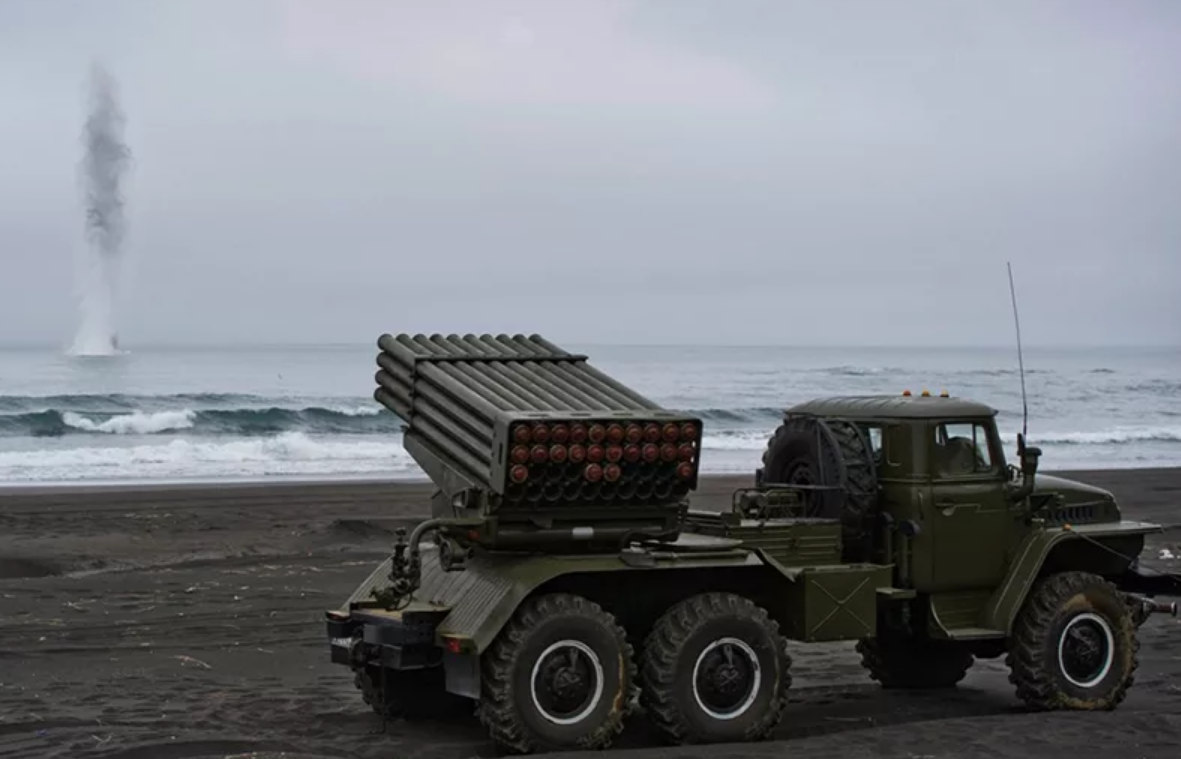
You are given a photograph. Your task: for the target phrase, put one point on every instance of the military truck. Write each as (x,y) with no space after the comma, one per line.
(564,583)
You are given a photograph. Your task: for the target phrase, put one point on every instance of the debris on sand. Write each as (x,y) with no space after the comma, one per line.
(184,660)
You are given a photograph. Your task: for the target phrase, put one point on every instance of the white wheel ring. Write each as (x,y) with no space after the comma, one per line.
(598,671)
(756,668)
(1109,638)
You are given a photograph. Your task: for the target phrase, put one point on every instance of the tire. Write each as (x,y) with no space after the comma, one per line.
(688,643)
(914,664)
(1050,668)
(524,716)
(408,694)
(834,454)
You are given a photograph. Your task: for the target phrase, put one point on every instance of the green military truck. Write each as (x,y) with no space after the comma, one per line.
(563,582)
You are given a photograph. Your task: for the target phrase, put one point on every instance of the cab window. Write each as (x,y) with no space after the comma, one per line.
(873,434)
(961,449)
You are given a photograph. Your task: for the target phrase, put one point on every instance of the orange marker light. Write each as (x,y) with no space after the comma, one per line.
(926,393)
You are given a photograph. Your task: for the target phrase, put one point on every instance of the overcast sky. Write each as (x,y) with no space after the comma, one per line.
(748,171)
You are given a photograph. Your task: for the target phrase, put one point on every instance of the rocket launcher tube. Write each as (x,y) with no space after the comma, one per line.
(533,373)
(530,391)
(425,410)
(445,407)
(392,402)
(400,379)
(448,377)
(635,399)
(475,458)
(522,384)
(438,439)
(403,348)
(578,394)
(607,398)
(511,416)
(437,408)
(475,395)
(609,393)
(475,373)
(504,374)
(478,470)
(505,369)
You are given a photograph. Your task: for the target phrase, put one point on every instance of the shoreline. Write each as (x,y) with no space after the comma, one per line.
(1160,486)
(368,478)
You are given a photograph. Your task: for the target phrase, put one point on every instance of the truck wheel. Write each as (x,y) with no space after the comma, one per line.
(1073,645)
(914,664)
(559,676)
(715,669)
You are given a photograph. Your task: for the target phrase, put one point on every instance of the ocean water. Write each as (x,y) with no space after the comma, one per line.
(199,413)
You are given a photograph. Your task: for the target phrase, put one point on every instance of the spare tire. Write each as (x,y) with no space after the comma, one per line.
(836,457)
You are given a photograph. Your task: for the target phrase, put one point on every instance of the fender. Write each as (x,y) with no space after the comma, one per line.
(1031,555)
(481,598)
(817,603)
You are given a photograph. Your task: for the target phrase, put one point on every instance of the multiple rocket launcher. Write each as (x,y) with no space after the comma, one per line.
(533,424)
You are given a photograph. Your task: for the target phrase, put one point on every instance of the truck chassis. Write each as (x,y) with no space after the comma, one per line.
(563,581)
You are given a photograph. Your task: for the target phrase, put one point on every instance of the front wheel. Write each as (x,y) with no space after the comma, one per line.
(1074,645)
(715,669)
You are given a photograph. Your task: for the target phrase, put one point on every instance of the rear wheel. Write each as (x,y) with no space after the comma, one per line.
(715,669)
(1074,645)
(558,677)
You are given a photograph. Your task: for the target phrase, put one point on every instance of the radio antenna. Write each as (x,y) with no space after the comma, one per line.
(1020,360)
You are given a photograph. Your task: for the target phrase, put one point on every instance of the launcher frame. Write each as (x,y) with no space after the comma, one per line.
(463,399)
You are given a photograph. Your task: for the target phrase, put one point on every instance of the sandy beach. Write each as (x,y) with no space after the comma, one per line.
(159,622)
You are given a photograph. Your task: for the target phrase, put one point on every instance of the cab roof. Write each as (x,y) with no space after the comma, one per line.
(892,407)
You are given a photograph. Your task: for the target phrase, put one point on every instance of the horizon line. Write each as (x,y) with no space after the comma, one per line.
(153,345)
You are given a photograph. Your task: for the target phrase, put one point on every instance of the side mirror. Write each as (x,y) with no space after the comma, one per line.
(1029,456)
(1029,461)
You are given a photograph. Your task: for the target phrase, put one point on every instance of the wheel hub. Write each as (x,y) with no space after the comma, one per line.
(800,473)
(726,678)
(1085,650)
(567,682)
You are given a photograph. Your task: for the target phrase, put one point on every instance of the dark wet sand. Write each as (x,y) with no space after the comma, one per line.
(185,621)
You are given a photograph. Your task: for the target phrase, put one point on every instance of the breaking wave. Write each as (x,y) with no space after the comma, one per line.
(60,416)
(198,416)
(287,453)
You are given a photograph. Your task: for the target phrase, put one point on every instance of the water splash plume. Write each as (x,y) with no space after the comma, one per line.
(105,160)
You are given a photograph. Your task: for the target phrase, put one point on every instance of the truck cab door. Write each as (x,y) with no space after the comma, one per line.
(969,522)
